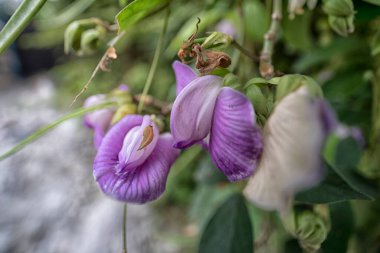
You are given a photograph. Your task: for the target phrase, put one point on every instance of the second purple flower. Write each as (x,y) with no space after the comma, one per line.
(220,118)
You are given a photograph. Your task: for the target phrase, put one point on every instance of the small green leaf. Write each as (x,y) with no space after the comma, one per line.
(44,130)
(342,225)
(256,19)
(229,230)
(137,10)
(19,20)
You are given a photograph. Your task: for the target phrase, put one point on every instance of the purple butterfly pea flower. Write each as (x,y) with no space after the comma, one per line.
(220,118)
(293,138)
(133,160)
(99,120)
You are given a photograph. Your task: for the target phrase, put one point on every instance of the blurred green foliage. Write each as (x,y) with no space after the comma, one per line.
(347,69)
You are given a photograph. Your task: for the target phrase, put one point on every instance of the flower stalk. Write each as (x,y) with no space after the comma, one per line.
(266,66)
(156,57)
(125,228)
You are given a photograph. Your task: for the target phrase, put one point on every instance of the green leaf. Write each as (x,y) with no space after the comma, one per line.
(343,156)
(342,225)
(297,31)
(19,20)
(375,2)
(137,10)
(332,189)
(256,19)
(44,130)
(229,230)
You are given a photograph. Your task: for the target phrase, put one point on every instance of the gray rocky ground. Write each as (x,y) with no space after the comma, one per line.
(49,201)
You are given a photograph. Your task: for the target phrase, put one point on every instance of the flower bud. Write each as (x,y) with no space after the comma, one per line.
(84,36)
(122,95)
(341,15)
(122,111)
(90,39)
(217,40)
(340,8)
(309,227)
(342,26)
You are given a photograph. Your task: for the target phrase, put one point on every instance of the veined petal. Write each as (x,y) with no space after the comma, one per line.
(235,141)
(291,161)
(191,116)
(143,183)
(183,75)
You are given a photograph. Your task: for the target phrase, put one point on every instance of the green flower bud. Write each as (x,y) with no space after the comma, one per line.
(217,40)
(288,83)
(339,8)
(341,15)
(122,111)
(72,37)
(90,39)
(342,26)
(83,36)
(311,231)
(121,96)
(309,227)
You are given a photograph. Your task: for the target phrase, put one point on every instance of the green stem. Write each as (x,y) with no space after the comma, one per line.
(266,66)
(125,228)
(19,20)
(44,130)
(156,57)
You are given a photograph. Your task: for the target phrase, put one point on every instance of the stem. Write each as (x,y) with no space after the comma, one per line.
(148,100)
(125,228)
(244,51)
(101,64)
(266,67)
(19,20)
(156,57)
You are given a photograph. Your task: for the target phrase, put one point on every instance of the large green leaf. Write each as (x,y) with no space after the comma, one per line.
(342,224)
(137,10)
(229,230)
(19,20)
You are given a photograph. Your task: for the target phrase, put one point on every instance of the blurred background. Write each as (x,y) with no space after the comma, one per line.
(49,201)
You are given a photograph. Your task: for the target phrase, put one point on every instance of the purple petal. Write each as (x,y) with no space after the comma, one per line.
(98,120)
(235,141)
(183,75)
(141,184)
(192,111)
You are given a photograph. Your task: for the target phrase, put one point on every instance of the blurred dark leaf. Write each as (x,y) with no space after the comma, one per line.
(292,246)
(376,2)
(332,189)
(297,31)
(342,225)
(256,27)
(343,156)
(208,173)
(229,230)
